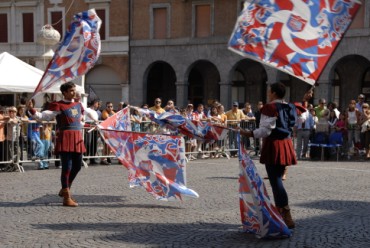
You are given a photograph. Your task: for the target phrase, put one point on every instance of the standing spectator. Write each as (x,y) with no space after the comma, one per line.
(3,120)
(304,126)
(200,116)
(365,124)
(214,118)
(157,106)
(69,142)
(221,112)
(332,106)
(248,113)
(37,147)
(158,110)
(191,144)
(45,137)
(170,107)
(98,110)
(91,136)
(135,120)
(12,136)
(107,112)
(353,117)
(332,121)
(341,126)
(257,115)
(248,122)
(145,120)
(215,103)
(277,121)
(360,102)
(121,105)
(234,116)
(21,114)
(322,114)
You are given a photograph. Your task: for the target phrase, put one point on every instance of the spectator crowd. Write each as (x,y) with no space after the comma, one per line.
(22,138)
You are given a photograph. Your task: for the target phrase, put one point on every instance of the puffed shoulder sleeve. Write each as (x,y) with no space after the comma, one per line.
(54,106)
(299,109)
(269,110)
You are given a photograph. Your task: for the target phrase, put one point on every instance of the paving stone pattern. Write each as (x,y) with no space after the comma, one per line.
(330,202)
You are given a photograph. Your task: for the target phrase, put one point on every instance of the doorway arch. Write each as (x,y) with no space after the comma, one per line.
(203,79)
(160,79)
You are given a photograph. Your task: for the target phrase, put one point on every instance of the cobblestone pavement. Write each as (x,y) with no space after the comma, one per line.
(330,202)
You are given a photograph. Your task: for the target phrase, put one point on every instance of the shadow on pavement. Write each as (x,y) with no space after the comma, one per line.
(233,178)
(166,234)
(103,201)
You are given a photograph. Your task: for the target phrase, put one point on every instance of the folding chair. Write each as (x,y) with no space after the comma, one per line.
(319,139)
(335,141)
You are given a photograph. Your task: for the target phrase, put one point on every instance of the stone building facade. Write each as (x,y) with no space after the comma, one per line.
(179,51)
(21,20)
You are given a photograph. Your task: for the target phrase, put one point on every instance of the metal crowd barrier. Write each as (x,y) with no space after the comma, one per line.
(27,147)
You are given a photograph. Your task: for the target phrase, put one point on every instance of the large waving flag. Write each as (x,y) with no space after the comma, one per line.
(155,162)
(205,131)
(120,121)
(259,216)
(297,37)
(77,53)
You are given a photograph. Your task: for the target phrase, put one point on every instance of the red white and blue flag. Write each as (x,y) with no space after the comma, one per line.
(258,215)
(120,121)
(155,162)
(77,53)
(205,131)
(296,37)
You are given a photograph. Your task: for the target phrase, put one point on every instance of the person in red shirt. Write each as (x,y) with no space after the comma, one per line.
(69,143)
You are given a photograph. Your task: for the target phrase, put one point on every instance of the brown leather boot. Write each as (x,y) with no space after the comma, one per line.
(287,217)
(61,195)
(67,200)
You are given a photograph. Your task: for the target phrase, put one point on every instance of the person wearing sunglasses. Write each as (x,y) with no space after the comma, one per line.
(157,106)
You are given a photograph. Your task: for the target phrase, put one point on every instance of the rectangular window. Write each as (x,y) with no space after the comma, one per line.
(101,14)
(202,20)
(57,21)
(3,28)
(160,23)
(28,29)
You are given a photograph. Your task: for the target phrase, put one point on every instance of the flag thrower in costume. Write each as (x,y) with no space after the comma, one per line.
(296,37)
(205,131)
(258,215)
(77,53)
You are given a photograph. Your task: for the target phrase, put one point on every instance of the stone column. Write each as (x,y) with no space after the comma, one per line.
(125,95)
(181,93)
(323,90)
(225,94)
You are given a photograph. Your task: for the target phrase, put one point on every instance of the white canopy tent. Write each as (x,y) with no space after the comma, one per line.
(17,76)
